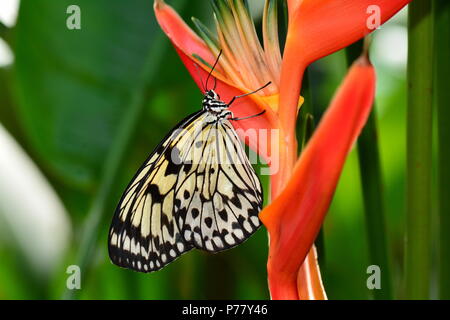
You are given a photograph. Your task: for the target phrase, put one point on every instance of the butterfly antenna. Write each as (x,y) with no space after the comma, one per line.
(215,83)
(200,77)
(247,94)
(214,66)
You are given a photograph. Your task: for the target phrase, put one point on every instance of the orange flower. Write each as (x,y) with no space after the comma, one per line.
(301,188)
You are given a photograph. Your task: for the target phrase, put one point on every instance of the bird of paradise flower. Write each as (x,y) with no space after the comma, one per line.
(303,186)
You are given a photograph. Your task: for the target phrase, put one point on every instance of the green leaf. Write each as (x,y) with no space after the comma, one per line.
(73,86)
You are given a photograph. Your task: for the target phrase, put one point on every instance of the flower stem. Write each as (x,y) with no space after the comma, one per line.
(442,96)
(309,279)
(419,149)
(372,188)
(305,129)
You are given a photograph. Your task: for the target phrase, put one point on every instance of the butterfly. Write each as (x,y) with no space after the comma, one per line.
(197,189)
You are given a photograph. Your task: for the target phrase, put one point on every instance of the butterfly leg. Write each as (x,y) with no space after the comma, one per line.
(247,94)
(253,116)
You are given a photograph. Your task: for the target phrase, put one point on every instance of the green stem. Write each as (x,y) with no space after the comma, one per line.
(305,130)
(372,189)
(113,165)
(419,149)
(442,96)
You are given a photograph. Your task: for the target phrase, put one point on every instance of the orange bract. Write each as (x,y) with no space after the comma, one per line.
(307,196)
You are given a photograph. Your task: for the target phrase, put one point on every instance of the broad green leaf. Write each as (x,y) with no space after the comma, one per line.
(72,86)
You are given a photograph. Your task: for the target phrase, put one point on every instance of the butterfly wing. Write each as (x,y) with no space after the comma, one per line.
(143,235)
(197,189)
(223,210)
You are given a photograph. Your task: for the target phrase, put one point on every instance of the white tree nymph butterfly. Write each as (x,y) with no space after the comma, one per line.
(197,189)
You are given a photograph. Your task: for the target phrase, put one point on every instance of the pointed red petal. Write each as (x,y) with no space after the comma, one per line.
(294,218)
(318,28)
(185,41)
(321,27)
(179,32)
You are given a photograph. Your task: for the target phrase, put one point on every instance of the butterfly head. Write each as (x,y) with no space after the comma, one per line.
(212,95)
(212,102)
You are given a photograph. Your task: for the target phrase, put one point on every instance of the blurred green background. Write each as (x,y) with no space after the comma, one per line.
(87,106)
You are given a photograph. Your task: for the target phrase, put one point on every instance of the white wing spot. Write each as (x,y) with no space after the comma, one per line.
(229,239)
(238,233)
(218,242)
(247,226)
(255,220)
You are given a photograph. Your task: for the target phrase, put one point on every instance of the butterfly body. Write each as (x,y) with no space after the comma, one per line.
(197,189)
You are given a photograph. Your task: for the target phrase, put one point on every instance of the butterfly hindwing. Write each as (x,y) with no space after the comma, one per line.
(223,210)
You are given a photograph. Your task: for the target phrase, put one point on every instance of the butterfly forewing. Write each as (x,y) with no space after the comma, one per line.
(143,235)
(197,189)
